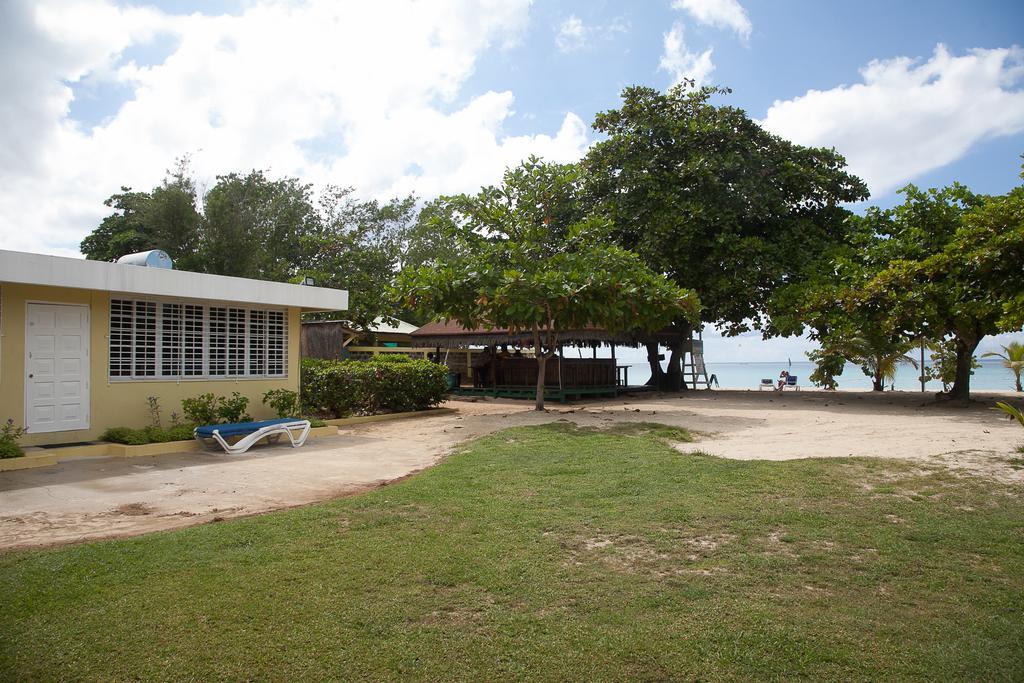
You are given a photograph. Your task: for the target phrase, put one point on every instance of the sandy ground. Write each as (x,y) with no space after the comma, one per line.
(99,498)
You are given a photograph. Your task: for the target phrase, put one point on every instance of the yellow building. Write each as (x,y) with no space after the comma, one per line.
(84,343)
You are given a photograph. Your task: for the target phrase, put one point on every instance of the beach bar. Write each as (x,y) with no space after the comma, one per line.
(515,375)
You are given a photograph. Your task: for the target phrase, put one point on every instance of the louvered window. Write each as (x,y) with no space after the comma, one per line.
(277,344)
(169,340)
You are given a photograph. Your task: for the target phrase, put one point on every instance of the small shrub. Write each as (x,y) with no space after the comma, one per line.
(390,358)
(284,402)
(340,388)
(233,409)
(153,404)
(207,409)
(9,435)
(150,434)
(201,410)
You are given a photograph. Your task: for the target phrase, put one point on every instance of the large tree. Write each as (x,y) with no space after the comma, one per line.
(359,246)
(166,218)
(254,226)
(957,263)
(946,264)
(708,197)
(526,256)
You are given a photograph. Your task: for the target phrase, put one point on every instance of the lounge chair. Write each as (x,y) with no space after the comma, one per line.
(791,383)
(251,432)
(766,384)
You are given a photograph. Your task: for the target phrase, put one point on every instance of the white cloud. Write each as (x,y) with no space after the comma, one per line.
(682,63)
(907,117)
(720,13)
(356,94)
(571,34)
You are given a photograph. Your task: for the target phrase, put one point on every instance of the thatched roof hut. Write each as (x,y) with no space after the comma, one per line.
(451,334)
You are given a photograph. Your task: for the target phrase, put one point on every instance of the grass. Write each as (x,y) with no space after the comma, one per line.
(552,553)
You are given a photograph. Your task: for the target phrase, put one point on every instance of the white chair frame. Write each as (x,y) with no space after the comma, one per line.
(246,442)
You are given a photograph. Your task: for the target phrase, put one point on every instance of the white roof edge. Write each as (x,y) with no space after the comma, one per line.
(60,271)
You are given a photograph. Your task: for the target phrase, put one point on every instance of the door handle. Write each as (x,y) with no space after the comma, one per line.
(30,376)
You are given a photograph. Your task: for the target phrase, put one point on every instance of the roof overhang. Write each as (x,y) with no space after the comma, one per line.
(58,271)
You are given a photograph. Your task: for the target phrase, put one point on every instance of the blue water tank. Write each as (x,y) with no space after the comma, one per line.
(154,258)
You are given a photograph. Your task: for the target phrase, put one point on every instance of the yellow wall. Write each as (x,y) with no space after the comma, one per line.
(118,403)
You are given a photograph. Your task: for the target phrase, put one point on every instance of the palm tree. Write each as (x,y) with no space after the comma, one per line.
(878,357)
(1013,358)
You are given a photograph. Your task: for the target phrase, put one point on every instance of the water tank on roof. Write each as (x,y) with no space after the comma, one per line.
(155,258)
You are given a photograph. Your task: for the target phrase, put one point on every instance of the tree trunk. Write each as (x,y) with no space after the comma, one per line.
(674,376)
(542,361)
(877,383)
(965,347)
(652,359)
(1019,388)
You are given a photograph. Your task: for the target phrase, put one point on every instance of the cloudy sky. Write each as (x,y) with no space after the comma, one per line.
(432,97)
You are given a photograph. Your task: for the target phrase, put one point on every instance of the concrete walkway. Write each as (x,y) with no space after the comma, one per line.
(89,499)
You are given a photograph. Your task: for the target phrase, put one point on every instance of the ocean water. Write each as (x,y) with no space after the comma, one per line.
(991,376)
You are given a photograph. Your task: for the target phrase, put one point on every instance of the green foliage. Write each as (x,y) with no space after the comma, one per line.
(347,387)
(945,264)
(153,406)
(359,246)
(150,434)
(252,225)
(829,364)
(1013,359)
(390,358)
(166,218)
(9,435)
(201,410)
(1015,413)
(706,195)
(944,361)
(526,256)
(285,402)
(207,409)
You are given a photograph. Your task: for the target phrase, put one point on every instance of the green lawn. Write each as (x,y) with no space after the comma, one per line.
(553,553)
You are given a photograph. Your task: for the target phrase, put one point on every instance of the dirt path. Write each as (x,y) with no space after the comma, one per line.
(100,498)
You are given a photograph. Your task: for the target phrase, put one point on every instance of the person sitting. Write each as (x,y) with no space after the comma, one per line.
(504,352)
(518,353)
(783,378)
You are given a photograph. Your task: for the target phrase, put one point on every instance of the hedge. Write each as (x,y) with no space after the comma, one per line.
(338,388)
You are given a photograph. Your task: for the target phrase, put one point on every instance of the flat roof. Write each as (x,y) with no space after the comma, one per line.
(60,271)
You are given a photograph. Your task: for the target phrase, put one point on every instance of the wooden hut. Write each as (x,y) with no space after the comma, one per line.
(516,376)
(337,339)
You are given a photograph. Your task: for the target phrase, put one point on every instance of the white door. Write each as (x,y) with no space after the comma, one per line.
(56,367)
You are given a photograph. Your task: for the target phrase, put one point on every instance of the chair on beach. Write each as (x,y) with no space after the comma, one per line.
(766,384)
(251,432)
(791,383)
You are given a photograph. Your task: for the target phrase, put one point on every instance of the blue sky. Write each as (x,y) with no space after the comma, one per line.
(440,96)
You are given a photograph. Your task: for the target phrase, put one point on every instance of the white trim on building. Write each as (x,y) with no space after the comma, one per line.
(58,271)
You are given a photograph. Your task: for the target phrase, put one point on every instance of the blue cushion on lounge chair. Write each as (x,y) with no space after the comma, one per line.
(240,428)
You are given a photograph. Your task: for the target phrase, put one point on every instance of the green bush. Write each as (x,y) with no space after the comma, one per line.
(151,434)
(285,402)
(390,358)
(345,387)
(207,409)
(9,435)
